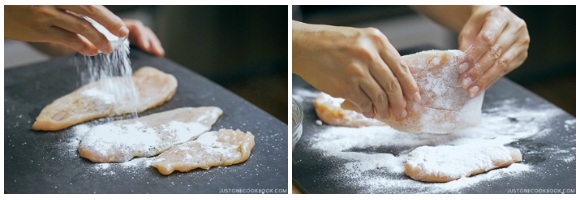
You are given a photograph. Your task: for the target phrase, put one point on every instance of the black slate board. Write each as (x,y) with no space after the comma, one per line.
(312,172)
(40,162)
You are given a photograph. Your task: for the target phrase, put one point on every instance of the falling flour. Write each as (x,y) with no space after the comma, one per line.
(372,158)
(115,74)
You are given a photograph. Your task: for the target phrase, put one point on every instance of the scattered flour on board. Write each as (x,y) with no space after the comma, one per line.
(374,156)
(570,124)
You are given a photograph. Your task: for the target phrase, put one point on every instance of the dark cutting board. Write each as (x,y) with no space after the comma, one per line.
(312,172)
(38,162)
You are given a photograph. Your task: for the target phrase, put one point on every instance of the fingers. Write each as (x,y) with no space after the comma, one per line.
(493,54)
(377,96)
(78,25)
(144,37)
(402,74)
(500,47)
(102,15)
(398,82)
(138,35)
(390,78)
(509,60)
(363,102)
(388,85)
(155,44)
(492,28)
(72,40)
(468,33)
(349,105)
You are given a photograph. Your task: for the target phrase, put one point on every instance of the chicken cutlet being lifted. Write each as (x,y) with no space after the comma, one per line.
(90,101)
(444,107)
(146,136)
(217,148)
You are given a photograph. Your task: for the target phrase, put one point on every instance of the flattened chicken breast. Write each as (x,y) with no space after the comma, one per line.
(217,148)
(447,163)
(146,136)
(91,102)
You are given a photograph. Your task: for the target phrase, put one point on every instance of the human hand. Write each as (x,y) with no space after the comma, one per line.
(496,41)
(140,36)
(143,37)
(62,25)
(359,65)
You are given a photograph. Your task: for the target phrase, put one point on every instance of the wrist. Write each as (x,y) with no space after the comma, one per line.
(300,41)
(480,9)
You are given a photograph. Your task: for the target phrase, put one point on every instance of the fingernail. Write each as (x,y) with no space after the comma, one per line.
(124,31)
(466,82)
(473,91)
(416,97)
(403,114)
(462,68)
(161,51)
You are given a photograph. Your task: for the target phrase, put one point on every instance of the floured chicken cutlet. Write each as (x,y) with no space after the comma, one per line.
(448,163)
(146,136)
(445,106)
(91,102)
(329,110)
(217,148)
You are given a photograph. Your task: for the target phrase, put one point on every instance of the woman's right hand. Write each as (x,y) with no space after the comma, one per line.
(56,24)
(359,65)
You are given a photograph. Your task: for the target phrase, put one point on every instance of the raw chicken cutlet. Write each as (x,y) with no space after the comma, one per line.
(445,106)
(91,102)
(329,110)
(448,163)
(146,136)
(217,148)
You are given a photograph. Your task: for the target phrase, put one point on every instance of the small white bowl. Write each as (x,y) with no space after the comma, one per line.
(297,117)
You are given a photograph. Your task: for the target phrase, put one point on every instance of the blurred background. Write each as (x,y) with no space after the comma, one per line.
(242,48)
(549,71)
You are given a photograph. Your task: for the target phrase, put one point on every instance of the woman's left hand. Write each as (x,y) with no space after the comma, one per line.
(143,37)
(496,41)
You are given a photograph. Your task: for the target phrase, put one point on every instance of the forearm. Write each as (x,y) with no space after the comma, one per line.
(297,28)
(305,38)
(452,17)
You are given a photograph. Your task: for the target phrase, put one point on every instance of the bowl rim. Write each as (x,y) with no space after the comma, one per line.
(300,116)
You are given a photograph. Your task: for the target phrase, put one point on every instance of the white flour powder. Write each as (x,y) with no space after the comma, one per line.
(99,94)
(114,73)
(454,162)
(383,150)
(107,137)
